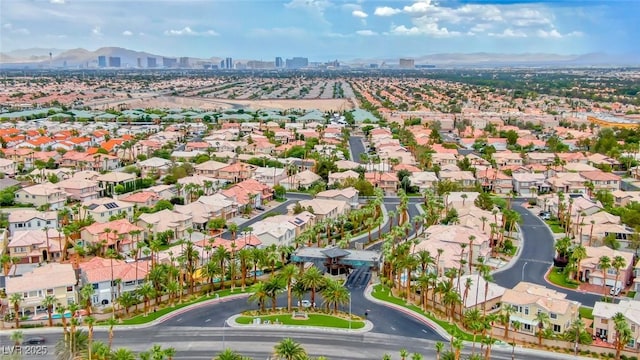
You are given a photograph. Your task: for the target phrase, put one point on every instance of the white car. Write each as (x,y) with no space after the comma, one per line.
(305,304)
(615,291)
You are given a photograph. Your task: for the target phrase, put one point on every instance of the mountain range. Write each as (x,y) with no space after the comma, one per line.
(74,58)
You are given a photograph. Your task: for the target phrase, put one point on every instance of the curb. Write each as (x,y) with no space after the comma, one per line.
(425,320)
(231,322)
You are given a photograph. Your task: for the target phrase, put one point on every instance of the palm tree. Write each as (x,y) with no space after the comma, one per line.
(439,346)
(17,337)
(604,263)
(90,321)
(111,322)
(623,333)
(417,356)
(505,318)
(126,300)
(259,295)
(335,294)
(15,300)
(579,253)
(313,279)
(49,303)
(542,318)
(618,263)
(472,320)
(228,354)
(221,255)
(288,274)
(403,354)
(122,354)
(244,255)
(146,291)
(86,294)
(273,288)
(288,349)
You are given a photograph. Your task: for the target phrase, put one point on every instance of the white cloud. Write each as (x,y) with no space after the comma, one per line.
(420,7)
(187,31)
(386,11)
(555,34)
(366,32)
(428,28)
(96,31)
(312,5)
(8,27)
(509,33)
(127,33)
(359,14)
(57,1)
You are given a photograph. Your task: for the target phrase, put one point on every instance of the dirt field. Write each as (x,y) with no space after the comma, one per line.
(172,102)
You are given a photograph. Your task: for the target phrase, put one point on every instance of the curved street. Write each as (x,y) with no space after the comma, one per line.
(536,256)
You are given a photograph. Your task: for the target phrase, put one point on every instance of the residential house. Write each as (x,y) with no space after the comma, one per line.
(107,182)
(340,177)
(475,295)
(507,158)
(209,168)
(322,208)
(349,195)
(154,166)
(42,195)
(166,220)
(120,235)
(236,172)
(301,180)
(220,206)
(142,199)
(623,198)
(103,209)
(53,279)
(80,189)
(270,176)
(605,328)
(528,299)
(110,278)
(302,221)
(494,180)
(424,180)
(282,233)
(464,178)
(35,246)
(527,184)
(602,181)
(591,272)
(29,219)
(386,181)
(8,167)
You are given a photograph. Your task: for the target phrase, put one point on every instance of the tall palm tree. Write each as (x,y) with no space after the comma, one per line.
(244,256)
(579,253)
(472,320)
(334,294)
(146,291)
(542,319)
(49,302)
(604,263)
(222,256)
(288,274)
(273,287)
(618,263)
(289,349)
(259,295)
(312,279)
(505,318)
(210,270)
(439,347)
(623,333)
(90,321)
(15,300)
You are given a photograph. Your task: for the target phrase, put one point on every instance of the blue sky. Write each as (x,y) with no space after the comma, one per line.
(323,29)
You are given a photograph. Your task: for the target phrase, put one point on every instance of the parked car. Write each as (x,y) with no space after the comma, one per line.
(545,215)
(615,291)
(34,340)
(305,304)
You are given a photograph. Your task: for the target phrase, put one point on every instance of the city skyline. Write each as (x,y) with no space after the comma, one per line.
(323,29)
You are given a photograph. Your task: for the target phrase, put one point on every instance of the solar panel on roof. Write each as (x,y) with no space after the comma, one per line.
(297,221)
(111,205)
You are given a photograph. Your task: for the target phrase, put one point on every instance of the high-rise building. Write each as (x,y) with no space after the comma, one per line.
(222,64)
(169,62)
(139,62)
(184,62)
(114,61)
(297,63)
(152,62)
(228,63)
(102,61)
(407,64)
(279,63)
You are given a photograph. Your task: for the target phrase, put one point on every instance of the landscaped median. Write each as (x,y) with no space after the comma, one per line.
(309,319)
(383,294)
(557,277)
(157,314)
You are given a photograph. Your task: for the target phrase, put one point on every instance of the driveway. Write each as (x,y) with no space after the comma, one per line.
(536,257)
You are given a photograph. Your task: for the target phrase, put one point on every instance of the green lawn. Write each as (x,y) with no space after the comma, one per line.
(382,293)
(141,319)
(321,320)
(558,278)
(631,294)
(555,226)
(586,313)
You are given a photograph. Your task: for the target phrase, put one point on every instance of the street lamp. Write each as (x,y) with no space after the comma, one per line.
(523,266)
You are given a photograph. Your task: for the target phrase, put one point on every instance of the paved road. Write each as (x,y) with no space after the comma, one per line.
(357,147)
(535,258)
